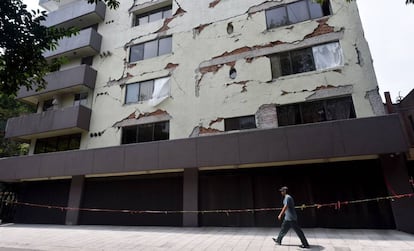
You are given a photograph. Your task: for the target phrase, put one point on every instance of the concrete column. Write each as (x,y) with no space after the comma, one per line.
(396,177)
(75,198)
(190,197)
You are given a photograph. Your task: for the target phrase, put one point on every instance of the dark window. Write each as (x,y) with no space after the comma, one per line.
(48,105)
(152,16)
(87,60)
(139,91)
(80,99)
(410,118)
(240,123)
(318,57)
(146,132)
(316,111)
(150,49)
(296,12)
(57,144)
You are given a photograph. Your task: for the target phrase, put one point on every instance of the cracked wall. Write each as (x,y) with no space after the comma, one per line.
(203,53)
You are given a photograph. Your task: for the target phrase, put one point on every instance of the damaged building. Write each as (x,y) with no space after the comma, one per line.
(183,105)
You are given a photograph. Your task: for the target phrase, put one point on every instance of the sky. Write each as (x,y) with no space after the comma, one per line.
(389,29)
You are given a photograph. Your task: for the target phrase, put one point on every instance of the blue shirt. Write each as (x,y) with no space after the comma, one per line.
(290,214)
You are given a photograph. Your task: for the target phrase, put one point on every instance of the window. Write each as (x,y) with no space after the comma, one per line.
(48,105)
(150,49)
(316,111)
(154,90)
(87,60)
(57,144)
(139,91)
(318,57)
(152,16)
(240,123)
(80,99)
(296,12)
(146,132)
(410,118)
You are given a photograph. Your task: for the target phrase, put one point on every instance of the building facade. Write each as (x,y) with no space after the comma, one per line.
(200,105)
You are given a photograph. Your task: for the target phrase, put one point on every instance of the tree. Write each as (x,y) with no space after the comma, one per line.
(22,43)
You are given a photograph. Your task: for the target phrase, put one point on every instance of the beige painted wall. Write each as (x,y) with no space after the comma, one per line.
(194,104)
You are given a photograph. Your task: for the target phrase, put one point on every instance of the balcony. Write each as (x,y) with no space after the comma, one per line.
(339,140)
(66,120)
(75,80)
(76,14)
(86,43)
(52,5)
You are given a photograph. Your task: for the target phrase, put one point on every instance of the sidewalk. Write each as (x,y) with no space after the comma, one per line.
(51,237)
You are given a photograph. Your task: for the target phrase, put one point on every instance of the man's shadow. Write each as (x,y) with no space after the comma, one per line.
(311,247)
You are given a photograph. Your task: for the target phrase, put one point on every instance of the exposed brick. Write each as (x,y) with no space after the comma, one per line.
(204,130)
(214,3)
(323,28)
(215,121)
(171,66)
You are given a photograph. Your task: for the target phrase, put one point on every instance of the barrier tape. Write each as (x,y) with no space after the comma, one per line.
(337,205)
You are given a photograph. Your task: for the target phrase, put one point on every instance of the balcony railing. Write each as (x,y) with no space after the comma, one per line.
(86,43)
(77,79)
(71,119)
(76,14)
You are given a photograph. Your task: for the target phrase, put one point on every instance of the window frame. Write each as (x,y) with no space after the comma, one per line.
(289,56)
(143,50)
(43,144)
(228,120)
(139,91)
(137,135)
(149,13)
(285,7)
(299,109)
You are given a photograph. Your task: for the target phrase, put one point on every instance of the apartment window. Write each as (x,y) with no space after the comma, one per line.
(155,90)
(87,60)
(57,144)
(152,16)
(240,123)
(318,57)
(48,105)
(150,49)
(80,99)
(146,132)
(296,12)
(410,118)
(316,111)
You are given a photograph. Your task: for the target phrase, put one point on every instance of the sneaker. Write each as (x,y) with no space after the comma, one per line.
(304,246)
(275,240)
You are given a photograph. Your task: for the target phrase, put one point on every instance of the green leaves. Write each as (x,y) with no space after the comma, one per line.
(113,4)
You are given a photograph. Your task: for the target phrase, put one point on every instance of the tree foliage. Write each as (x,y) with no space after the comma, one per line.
(22,43)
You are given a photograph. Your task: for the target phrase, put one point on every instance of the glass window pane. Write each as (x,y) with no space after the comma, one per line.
(132,93)
(155,16)
(165,46)
(327,56)
(129,135)
(141,20)
(313,112)
(340,108)
(150,49)
(51,145)
(285,65)
(302,60)
(247,122)
(276,66)
(63,143)
(74,142)
(231,124)
(162,131)
(288,115)
(146,89)
(315,9)
(136,53)
(40,146)
(298,12)
(145,132)
(167,13)
(276,17)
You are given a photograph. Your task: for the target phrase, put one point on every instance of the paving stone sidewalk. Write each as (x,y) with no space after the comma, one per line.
(50,237)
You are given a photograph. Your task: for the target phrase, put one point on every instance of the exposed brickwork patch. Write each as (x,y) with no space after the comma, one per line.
(215,121)
(214,3)
(323,28)
(204,130)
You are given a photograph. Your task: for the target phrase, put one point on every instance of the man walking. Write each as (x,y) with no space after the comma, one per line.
(290,219)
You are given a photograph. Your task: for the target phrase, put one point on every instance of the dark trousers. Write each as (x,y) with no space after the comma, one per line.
(286,225)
